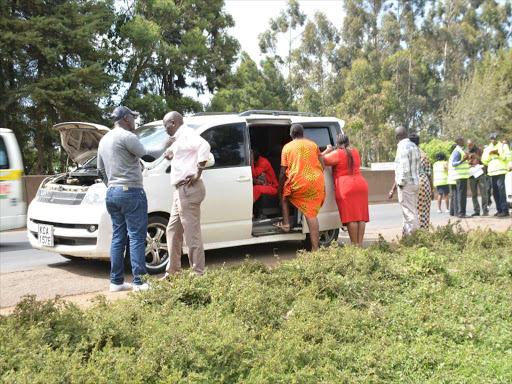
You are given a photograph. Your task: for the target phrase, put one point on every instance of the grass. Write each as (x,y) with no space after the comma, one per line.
(435,309)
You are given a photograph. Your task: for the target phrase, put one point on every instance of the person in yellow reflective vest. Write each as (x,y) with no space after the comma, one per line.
(441,181)
(496,157)
(458,170)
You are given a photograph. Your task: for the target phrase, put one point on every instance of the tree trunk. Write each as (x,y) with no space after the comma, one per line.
(40,150)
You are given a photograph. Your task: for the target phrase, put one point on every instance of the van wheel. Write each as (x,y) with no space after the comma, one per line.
(156,245)
(326,238)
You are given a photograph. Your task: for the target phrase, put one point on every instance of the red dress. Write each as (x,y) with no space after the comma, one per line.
(350,189)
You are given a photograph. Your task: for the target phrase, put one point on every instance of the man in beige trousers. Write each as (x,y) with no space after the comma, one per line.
(407,180)
(188,154)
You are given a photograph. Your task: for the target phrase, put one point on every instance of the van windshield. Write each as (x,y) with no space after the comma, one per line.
(153,136)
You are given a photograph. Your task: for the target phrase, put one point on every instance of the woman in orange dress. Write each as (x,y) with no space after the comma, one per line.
(350,187)
(301,182)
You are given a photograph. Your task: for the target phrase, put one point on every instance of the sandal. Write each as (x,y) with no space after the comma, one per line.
(281,226)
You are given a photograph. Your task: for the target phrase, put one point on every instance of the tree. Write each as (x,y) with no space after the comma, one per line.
(253,88)
(312,62)
(54,57)
(172,45)
(484,104)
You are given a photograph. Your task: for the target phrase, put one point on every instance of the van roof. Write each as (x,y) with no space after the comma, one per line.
(5,130)
(197,121)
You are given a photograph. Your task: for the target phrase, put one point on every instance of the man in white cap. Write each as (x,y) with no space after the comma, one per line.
(119,155)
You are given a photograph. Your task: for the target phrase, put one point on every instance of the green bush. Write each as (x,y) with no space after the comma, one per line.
(434,146)
(435,308)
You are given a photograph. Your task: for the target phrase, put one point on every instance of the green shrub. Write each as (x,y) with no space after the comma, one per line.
(435,308)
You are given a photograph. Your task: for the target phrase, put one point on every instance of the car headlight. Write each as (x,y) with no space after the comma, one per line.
(94,197)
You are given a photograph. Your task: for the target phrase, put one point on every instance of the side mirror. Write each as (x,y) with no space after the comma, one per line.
(211,161)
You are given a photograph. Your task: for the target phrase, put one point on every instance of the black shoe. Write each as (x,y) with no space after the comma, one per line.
(485,214)
(475,214)
(504,214)
(496,214)
(464,217)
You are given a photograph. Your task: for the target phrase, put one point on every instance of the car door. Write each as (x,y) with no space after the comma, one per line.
(226,212)
(323,134)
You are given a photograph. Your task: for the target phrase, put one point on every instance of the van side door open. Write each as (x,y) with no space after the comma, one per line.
(226,212)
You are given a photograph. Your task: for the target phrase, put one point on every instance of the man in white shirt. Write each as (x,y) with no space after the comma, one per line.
(188,155)
(407,180)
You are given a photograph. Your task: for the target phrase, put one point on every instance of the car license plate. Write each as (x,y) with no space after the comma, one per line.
(45,235)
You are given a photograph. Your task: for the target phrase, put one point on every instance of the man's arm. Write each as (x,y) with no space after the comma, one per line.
(134,145)
(101,170)
(457,160)
(404,160)
(203,152)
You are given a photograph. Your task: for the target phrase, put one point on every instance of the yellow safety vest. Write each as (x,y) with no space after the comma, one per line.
(461,171)
(440,174)
(496,163)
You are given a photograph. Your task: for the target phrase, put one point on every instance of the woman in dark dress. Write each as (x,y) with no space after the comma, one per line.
(350,187)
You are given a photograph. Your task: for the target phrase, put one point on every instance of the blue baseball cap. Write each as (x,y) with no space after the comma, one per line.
(121,112)
(493,135)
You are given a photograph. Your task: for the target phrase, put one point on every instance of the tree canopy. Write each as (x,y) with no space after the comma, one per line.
(437,67)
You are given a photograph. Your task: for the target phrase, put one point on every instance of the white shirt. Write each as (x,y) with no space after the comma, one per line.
(188,151)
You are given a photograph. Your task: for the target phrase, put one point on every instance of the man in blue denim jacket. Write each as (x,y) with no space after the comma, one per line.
(119,155)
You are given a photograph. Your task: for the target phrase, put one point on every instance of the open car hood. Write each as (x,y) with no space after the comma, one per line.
(80,140)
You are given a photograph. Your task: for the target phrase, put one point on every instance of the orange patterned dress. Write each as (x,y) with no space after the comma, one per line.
(305,184)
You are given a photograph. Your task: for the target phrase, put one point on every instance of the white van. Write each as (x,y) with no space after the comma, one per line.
(12,195)
(68,215)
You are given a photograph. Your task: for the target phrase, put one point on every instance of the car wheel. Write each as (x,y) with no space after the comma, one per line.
(156,245)
(326,238)
(72,258)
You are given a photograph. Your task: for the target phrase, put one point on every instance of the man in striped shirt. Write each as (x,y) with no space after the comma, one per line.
(407,180)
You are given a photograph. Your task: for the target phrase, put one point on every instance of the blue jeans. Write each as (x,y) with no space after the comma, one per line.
(128,209)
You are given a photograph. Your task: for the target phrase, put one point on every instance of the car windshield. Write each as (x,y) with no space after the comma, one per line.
(153,136)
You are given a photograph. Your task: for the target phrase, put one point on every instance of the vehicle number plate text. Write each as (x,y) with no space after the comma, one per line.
(45,235)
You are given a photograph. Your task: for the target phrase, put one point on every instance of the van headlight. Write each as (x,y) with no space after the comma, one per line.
(94,197)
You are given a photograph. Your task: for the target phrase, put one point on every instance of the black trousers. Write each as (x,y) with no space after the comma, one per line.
(453,200)
(499,193)
(489,190)
(462,195)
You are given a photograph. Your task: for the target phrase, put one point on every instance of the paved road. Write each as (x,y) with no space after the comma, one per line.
(16,254)
(24,270)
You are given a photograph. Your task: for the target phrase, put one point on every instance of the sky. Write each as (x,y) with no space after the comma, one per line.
(252,18)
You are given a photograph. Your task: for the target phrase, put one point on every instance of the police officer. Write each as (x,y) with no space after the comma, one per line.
(496,157)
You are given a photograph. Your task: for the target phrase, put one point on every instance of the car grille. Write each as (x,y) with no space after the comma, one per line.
(59,240)
(60,197)
(63,225)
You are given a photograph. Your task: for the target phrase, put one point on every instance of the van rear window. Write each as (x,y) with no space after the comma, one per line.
(319,135)
(4,159)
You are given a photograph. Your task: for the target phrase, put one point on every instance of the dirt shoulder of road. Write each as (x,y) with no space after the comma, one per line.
(79,283)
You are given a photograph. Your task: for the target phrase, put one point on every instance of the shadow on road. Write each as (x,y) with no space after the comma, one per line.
(14,246)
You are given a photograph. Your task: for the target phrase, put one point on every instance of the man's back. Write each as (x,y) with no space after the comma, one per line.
(119,159)
(408,156)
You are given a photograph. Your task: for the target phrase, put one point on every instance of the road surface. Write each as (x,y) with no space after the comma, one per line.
(24,270)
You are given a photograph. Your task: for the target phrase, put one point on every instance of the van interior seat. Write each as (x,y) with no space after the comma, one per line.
(270,204)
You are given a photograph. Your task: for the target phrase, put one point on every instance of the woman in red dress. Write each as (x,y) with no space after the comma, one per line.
(350,187)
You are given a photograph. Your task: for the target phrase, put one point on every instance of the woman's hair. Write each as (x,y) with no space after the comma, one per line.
(415,139)
(343,142)
(440,156)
